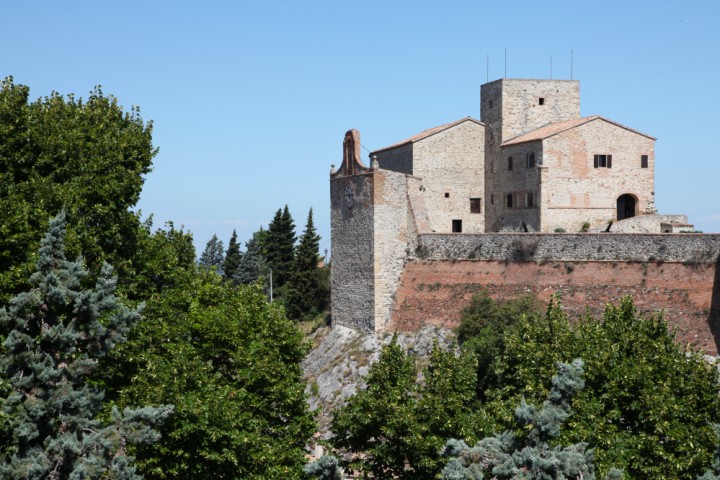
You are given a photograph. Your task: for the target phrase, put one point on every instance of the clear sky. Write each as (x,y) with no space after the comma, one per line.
(250,100)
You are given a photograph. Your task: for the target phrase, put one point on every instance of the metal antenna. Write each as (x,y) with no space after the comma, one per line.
(571,64)
(550,67)
(505,63)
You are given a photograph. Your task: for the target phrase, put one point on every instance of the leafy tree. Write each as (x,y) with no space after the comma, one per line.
(714,472)
(233,257)
(483,326)
(87,157)
(532,456)
(58,331)
(396,427)
(253,265)
(280,249)
(649,405)
(230,363)
(213,256)
(304,284)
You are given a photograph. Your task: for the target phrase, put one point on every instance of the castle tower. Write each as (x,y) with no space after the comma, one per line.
(512,107)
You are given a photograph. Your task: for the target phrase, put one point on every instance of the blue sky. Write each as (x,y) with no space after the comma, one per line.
(250,100)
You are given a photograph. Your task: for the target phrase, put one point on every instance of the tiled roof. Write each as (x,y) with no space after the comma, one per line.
(554,128)
(427,133)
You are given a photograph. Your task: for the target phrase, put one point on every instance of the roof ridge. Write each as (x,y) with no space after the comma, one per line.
(428,132)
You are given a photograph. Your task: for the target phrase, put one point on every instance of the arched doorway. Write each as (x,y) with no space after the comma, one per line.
(626,205)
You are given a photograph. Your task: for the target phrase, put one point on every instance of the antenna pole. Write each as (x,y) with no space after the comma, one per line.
(505,63)
(487,68)
(571,64)
(550,67)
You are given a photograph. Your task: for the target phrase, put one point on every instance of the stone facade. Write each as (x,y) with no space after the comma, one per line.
(534,166)
(449,162)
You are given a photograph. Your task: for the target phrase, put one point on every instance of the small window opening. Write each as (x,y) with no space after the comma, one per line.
(602,161)
(541,101)
(475,205)
(457,226)
(490,102)
(530,200)
(447,194)
(510,163)
(509,200)
(531,160)
(492,199)
(643,161)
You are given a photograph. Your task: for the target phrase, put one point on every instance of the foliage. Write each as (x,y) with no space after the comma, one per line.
(233,257)
(326,467)
(60,152)
(253,265)
(279,249)
(230,363)
(714,472)
(213,256)
(58,331)
(483,325)
(396,427)
(648,406)
(532,456)
(304,286)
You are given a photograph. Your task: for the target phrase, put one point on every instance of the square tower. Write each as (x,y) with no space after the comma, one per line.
(510,107)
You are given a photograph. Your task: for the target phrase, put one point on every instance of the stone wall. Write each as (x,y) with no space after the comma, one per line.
(575,192)
(540,247)
(352,243)
(451,162)
(398,159)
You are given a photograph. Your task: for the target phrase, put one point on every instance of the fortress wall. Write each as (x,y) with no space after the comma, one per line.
(435,292)
(675,274)
(352,243)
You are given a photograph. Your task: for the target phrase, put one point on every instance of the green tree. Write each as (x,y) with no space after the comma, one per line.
(253,265)
(649,405)
(532,456)
(483,326)
(230,363)
(280,249)
(303,290)
(397,427)
(58,332)
(233,257)
(213,256)
(86,157)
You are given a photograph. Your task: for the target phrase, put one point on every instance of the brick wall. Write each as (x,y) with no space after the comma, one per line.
(435,292)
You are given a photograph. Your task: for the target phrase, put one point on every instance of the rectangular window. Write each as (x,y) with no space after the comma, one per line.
(602,161)
(530,200)
(475,205)
(530,160)
(541,101)
(457,226)
(509,200)
(643,161)
(492,199)
(510,162)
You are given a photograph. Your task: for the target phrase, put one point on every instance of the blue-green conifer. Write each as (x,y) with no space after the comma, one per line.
(57,332)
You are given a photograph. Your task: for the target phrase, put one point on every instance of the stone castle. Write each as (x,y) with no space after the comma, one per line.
(497,204)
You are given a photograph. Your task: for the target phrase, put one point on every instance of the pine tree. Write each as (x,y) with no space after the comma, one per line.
(253,264)
(232,257)
(280,248)
(57,333)
(304,284)
(213,256)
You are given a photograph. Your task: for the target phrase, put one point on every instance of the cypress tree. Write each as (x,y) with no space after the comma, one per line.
(303,288)
(57,333)
(232,257)
(213,256)
(280,248)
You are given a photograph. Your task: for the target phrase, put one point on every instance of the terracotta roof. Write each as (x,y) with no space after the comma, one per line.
(554,128)
(427,133)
